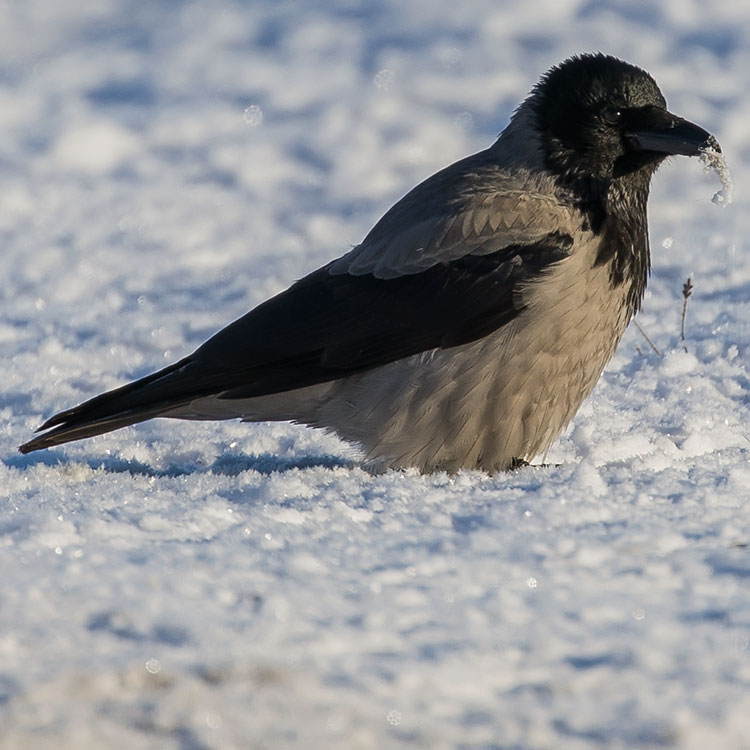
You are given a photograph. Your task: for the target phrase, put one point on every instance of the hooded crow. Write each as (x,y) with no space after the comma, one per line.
(471,322)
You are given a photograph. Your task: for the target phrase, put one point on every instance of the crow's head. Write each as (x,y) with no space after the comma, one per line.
(600,117)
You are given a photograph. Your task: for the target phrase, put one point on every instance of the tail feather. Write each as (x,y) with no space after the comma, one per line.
(78,430)
(132,403)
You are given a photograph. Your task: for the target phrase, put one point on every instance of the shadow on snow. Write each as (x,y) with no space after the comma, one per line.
(229,464)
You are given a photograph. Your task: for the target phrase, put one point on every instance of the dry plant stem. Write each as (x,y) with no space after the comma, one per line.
(687,290)
(643,333)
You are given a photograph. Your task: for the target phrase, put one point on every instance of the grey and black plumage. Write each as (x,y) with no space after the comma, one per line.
(478,313)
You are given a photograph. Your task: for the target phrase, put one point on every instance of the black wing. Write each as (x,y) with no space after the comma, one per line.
(325,327)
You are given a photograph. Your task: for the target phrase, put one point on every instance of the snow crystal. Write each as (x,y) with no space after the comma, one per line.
(714,161)
(383,79)
(253,115)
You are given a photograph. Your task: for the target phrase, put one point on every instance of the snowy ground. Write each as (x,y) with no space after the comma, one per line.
(164,167)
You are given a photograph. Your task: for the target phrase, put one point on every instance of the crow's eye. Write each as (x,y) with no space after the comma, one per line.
(611,116)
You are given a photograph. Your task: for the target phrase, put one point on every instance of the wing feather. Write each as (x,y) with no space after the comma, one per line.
(473,206)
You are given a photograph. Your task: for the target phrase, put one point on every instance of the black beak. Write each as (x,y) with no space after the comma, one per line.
(660,131)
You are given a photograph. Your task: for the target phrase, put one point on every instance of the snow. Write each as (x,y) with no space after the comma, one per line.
(166,166)
(714,160)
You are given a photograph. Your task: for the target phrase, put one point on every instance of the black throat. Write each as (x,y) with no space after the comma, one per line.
(615,210)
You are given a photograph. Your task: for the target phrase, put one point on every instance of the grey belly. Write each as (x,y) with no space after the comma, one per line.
(482,405)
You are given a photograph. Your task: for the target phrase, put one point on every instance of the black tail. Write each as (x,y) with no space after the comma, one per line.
(132,403)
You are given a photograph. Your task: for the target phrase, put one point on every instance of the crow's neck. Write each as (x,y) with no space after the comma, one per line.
(616,211)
